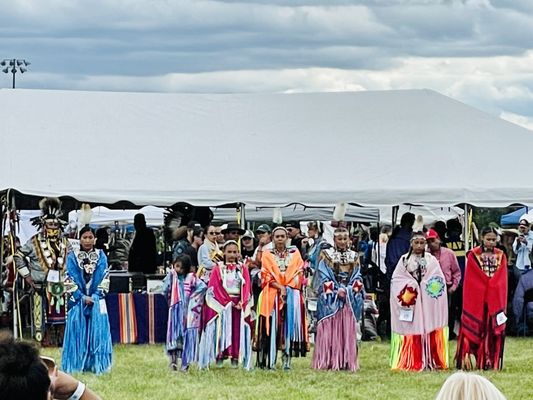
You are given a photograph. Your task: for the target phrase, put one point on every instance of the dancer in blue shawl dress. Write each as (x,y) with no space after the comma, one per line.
(340,304)
(87,345)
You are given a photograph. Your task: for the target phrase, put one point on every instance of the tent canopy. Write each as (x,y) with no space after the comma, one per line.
(513,218)
(371,148)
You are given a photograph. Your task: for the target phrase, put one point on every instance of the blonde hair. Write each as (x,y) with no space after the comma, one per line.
(468,386)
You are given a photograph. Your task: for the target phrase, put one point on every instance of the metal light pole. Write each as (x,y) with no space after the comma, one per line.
(13,66)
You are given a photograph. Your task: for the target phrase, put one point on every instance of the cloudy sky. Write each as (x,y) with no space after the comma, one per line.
(477,51)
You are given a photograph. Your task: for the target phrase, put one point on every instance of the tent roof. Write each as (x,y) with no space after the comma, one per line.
(370,148)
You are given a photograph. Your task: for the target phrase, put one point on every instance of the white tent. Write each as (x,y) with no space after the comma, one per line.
(105,216)
(430,215)
(370,148)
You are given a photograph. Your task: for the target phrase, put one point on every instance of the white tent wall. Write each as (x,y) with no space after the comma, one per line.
(371,148)
(104,216)
(430,215)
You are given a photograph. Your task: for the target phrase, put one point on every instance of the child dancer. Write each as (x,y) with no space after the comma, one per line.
(228,303)
(184,291)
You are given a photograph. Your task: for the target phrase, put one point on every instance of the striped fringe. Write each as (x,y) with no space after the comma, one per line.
(245,345)
(420,352)
(216,337)
(175,326)
(336,342)
(190,347)
(294,331)
(273,335)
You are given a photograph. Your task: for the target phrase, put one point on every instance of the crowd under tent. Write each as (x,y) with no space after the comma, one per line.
(381,148)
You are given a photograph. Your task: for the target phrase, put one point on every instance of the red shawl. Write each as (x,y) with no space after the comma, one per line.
(484,306)
(220,294)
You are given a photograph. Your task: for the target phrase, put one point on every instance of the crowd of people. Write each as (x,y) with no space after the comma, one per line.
(245,296)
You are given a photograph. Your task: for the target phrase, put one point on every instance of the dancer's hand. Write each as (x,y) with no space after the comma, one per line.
(341,293)
(89,300)
(30,282)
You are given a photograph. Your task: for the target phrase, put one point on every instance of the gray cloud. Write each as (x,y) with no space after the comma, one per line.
(478,51)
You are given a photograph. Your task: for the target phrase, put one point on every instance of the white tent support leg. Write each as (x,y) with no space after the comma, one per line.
(242,216)
(395,210)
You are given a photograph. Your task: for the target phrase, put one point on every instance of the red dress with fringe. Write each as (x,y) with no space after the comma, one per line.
(482,332)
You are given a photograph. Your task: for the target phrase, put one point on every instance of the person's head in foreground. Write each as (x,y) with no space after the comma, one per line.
(469,386)
(23,374)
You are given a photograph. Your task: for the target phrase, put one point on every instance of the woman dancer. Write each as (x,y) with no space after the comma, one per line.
(87,345)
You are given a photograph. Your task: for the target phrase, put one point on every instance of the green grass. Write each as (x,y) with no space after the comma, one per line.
(141,372)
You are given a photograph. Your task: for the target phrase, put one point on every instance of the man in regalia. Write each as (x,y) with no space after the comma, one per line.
(41,262)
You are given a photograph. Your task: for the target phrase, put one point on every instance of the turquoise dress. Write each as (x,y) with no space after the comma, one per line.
(87,344)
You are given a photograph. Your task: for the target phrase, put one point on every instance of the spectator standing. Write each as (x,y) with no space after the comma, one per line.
(184,243)
(143,253)
(295,235)
(522,246)
(399,242)
(450,269)
(248,244)
(525,284)
(233,231)
(219,235)
(209,253)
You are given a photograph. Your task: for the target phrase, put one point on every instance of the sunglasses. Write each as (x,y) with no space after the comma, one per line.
(212,233)
(218,233)
(246,238)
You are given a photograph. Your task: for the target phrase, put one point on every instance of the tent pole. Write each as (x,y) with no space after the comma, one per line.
(395,210)
(242,216)
(466,227)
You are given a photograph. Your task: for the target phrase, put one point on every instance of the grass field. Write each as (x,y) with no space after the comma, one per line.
(141,372)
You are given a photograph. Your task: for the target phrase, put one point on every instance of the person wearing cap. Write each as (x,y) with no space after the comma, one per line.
(419,311)
(450,268)
(233,231)
(228,304)
(282,318)
(295,234)
(248,244)
(264,235)
(522,246)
